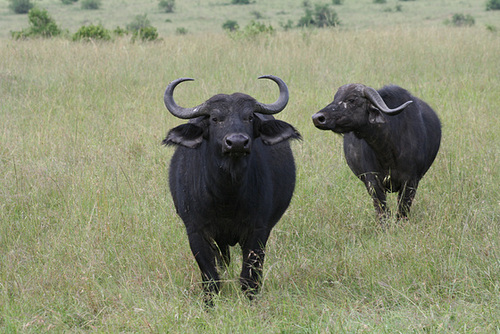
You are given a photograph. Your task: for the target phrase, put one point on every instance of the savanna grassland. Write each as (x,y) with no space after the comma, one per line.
(89,238)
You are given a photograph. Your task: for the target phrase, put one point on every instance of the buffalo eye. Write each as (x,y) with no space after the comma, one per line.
(215,119)
(352,100)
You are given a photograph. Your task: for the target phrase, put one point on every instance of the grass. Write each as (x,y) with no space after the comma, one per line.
(201,16)
(89,239)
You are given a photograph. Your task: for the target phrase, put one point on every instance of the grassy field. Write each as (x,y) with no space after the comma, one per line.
(201,16)
(89,239)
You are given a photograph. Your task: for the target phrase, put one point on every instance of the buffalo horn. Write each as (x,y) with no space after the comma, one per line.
(280,103)
(376,99)
(176,110)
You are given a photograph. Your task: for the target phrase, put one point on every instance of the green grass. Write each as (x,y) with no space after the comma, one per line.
(89,238)
(201,16)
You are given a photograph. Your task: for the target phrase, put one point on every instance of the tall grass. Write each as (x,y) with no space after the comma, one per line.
(89,238)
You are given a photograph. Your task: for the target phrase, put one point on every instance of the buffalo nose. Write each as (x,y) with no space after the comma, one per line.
(318,119)
(237,143)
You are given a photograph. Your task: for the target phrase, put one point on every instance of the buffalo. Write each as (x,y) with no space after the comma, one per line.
(232,177)
(391,138)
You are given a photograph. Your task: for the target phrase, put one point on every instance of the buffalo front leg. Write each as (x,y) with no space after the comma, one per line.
(253,262)
(405,198)
(377,192)
(204,254)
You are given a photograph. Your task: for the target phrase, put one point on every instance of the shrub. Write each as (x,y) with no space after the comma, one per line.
(491,28)
(307,20)
(41,24)
(287,25)
(68,2)
(139,22)
(146,34)
(119,31)
(91,4)
(258,15)
(230,25)
(141,28)
(256,28)
(167,5)
(252,30)
(322,16)
(493,5)
(181,31)
(20,6)
(92,32)
(337,2)
(461,20)
(240,2)
(379,1)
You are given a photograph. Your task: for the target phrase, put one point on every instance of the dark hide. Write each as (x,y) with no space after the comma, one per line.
(232,177)
(389,153)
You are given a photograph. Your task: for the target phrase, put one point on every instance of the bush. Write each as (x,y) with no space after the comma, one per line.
(230,25)
(139,22)
(461,20)
(181,31)
(68,2)
(379,1)
(287,25)
(41,24)
(252,30)
(146,34)
(20,6)
(92,32)
(493,5)
(119,31)
(91,4)
(337,2)
(141,28)
(240,2)
(167,5)
(256,28)
(491,28)
(322,16)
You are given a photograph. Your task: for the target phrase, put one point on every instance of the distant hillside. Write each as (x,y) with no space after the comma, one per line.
(199,16)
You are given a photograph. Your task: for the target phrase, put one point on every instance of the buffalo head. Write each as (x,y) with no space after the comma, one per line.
(229,123)
(354,106)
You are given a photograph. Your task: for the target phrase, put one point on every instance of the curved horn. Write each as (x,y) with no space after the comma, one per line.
(376,99)
(280,103)
(175,109)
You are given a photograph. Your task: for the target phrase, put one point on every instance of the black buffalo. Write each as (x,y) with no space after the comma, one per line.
(390,139)
(232,177)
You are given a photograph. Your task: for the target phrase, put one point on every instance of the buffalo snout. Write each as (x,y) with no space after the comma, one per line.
(236,144)
(320,121)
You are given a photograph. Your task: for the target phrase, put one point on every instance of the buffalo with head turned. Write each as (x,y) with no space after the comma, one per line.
(390,139)
(231,177)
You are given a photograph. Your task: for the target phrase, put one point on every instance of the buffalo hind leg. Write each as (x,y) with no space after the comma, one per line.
(405,198)
(253,262)
(204,254)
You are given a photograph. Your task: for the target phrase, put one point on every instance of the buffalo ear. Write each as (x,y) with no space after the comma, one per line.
(275,131)
(188,135)
(375,116)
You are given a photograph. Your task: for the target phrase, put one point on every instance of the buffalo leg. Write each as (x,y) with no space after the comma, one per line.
(405,198)
(253,262)
(204,254)
(223,255)
(377,192)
